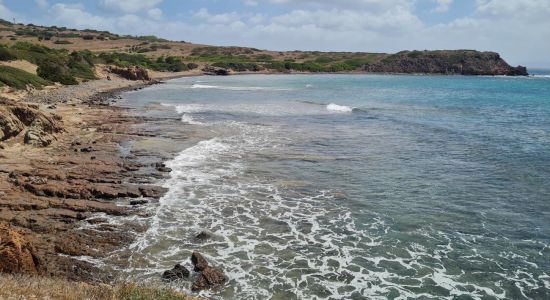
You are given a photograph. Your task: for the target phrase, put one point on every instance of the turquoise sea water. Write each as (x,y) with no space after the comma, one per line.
(357,186)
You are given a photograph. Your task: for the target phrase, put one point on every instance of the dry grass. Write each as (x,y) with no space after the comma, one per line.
(27,288)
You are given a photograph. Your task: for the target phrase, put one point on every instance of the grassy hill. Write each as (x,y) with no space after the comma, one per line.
(67,55)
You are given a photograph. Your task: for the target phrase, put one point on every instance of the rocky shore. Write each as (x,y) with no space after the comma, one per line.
(60,164)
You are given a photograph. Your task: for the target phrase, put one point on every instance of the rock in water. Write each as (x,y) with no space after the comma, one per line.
(203,236)
(198,261)
(178,272)
(17,255)
(209,278)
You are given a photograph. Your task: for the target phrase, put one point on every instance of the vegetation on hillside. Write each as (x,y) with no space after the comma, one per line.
(54,65)
(20,79)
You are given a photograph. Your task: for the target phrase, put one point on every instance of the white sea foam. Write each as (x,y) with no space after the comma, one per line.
(339,108)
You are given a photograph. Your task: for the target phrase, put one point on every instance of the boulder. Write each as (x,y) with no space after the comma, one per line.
(208,278)
(177,273)
(198,261)
(17,255)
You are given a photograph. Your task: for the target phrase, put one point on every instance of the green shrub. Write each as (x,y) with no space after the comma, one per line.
(7,54)
(54,71)
(20,79)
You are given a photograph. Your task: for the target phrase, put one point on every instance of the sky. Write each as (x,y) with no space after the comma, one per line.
(518,29)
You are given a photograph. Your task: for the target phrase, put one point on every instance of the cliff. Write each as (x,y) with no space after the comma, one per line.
(450,62)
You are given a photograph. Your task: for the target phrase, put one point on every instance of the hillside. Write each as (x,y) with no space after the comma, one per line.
(68,56)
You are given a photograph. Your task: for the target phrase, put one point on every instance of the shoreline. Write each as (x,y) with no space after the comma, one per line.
(51,196)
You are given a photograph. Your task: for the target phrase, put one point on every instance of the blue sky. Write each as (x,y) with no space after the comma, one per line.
(518,29)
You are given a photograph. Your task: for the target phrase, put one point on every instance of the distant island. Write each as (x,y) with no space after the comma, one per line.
(68,56)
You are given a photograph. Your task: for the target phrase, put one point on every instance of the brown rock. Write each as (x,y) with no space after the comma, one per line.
(209,278)
(17,255)
(198,261)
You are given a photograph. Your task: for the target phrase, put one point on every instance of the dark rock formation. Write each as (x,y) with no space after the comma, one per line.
(457,62)
(131,73)
(178,272)
(203,236)
(209,70)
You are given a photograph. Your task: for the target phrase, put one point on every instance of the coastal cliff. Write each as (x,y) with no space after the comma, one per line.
(457,62)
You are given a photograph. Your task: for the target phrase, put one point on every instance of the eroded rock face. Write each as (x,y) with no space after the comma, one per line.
(17,255)
(131,73)
(38,127)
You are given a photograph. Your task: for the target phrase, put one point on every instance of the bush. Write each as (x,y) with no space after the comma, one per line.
(88,37)
(20,79)
(54,71)
(192,66)
(7,54)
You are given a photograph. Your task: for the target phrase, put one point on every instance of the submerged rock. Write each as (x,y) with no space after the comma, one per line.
(178,272)
(203,235)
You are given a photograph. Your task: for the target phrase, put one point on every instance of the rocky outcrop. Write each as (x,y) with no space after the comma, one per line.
(210,70)
(456,62)
(177,273)
(130,73)
(38,128)
(17,255)
(209,277)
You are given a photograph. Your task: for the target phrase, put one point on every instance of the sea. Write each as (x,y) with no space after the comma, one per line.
(352,186)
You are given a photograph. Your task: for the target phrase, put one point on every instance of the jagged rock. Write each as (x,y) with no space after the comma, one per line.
(208,278)
(178,272)
(17,255)
(198,261)
(131,73)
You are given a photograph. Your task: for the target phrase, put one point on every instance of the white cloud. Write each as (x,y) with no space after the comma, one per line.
(155,13)
(75,16)
(129,6)
(442,5)
(41,3)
